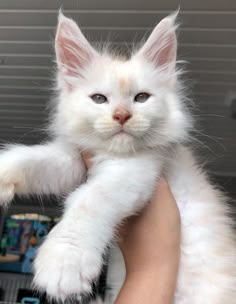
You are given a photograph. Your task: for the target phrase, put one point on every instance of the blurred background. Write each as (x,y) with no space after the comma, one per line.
(207,42)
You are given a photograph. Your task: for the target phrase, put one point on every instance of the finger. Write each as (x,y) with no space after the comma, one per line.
(87,156)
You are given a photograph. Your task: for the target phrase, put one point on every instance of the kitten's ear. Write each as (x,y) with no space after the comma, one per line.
(161,46)
(73,51)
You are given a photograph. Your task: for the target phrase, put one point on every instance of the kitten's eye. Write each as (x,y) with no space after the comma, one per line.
(99,98)
(141,97)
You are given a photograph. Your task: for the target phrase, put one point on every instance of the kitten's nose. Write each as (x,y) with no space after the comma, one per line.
(121,116)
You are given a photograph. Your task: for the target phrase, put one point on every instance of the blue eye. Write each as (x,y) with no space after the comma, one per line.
(141,97)
(99,98)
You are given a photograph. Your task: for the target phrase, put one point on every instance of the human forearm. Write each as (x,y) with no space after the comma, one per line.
(150,287)
(151,249)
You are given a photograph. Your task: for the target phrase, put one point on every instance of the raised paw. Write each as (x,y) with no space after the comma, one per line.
(7,192)
(10,179)
(64,269)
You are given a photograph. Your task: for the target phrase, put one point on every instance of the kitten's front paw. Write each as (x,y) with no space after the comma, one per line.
(9,181)
(64,269)
(7,192)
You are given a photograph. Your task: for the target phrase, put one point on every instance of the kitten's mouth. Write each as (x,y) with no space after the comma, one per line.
(121,132)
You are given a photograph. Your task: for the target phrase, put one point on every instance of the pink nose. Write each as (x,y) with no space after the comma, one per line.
(121,116)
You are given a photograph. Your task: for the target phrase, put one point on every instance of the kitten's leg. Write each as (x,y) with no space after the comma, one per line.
(41,169)
(71,257)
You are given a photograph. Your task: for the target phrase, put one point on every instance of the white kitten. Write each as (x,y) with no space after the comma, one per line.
(131,115)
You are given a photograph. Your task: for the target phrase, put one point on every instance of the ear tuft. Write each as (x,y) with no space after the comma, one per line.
(161,46)
(73,51)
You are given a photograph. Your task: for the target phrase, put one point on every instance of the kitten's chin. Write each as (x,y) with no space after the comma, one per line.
(122,143)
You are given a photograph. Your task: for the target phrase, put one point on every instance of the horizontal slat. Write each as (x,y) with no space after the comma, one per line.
(26,34)
(15,118)
(212,76)
(214,87)
(18,99)
(211,64)
(24,113)
(211,51)
(214,36)
(21,140)
(122,19)
(25,91)
(193,35)
(27,60)
(26,81)
(25,71)
(218,132)
(32,131)
(206,98)
(22,106)
(26,48)
(211,102)
(221,110)
(25,136)
(23,125)
(208,112)
(121,4)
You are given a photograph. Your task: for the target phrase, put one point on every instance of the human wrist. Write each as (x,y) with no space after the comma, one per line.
(155,261)
(152,286)
(159,268)
(141,275)
(138,287)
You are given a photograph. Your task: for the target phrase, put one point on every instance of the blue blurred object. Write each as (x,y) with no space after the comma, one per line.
(23,239)
(28,259)
(29,300)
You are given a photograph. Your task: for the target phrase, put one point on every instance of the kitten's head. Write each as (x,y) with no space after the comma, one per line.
(114,104)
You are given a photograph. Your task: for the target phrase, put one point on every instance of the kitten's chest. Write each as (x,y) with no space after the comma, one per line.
(140,171)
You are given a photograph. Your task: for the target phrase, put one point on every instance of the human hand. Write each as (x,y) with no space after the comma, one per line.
(87,156)
(152,238)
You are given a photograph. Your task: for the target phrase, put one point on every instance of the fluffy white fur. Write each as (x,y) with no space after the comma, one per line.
(129,160)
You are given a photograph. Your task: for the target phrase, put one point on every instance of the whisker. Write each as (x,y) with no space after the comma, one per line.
(213,138)
(194,139)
